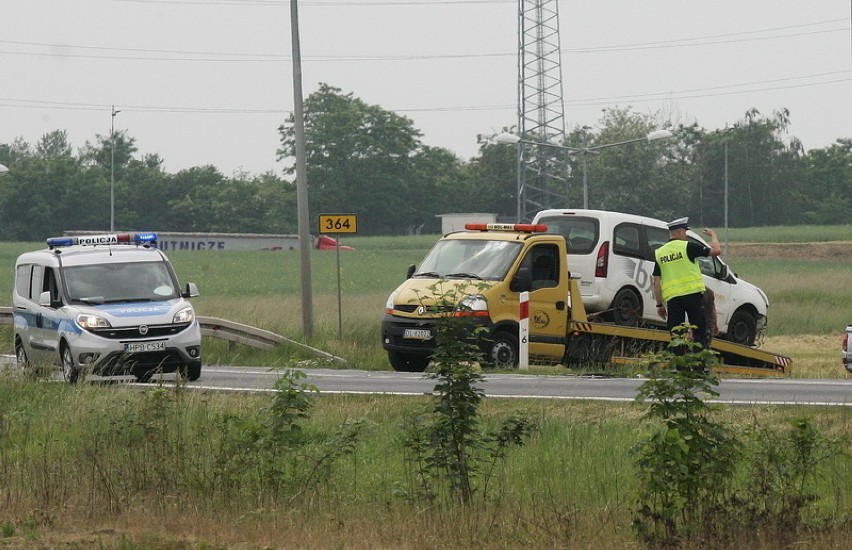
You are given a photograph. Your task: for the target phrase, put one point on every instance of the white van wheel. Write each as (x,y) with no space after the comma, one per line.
(742,329)
(626,308)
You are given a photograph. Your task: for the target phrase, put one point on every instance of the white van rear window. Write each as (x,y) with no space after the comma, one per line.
(580,233)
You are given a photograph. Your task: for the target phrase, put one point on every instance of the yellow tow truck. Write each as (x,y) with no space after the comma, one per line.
(484,270)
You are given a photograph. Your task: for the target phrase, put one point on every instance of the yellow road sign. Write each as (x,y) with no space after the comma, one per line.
(338,223)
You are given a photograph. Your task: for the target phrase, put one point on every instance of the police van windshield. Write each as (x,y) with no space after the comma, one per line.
(467,259)
(120,282)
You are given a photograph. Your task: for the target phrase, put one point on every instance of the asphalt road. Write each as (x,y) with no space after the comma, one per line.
(821,392)
(833,392)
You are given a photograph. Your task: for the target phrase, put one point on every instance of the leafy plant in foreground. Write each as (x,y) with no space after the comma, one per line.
(447,443)
(686,467)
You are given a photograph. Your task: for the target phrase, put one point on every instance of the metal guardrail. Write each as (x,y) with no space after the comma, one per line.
(255,337)
(239,333)
(230,331)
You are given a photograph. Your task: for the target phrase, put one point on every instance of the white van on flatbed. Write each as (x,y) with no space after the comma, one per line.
(613,253)
(109,304)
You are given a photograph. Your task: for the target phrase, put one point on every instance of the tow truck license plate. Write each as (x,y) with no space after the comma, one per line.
(136,347)
(417,334)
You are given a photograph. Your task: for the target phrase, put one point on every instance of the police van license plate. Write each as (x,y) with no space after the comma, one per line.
(417,334)
(136,347)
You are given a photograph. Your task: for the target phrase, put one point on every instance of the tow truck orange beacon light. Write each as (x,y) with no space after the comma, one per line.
(522,227)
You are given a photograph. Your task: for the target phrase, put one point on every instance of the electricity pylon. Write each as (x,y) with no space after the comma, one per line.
(542,176)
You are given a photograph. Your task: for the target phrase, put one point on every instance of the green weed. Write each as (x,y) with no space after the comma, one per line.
(708,483)
(447,445)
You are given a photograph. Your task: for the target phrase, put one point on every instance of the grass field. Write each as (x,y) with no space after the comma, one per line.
(86,468)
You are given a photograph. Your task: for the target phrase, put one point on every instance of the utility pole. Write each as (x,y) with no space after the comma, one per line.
(726,196)
(112,170)
(301,177)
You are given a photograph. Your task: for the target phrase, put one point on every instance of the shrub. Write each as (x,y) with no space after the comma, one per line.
(447,444)
(686,467)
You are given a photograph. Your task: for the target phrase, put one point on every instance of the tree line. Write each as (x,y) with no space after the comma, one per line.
(367,160)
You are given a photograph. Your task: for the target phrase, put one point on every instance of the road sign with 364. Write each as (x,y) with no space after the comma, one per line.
(338,223)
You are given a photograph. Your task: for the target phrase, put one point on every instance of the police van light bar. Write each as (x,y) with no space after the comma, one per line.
(94,240)
(523,227)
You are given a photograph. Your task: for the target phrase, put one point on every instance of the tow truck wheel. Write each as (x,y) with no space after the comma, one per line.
(626,308)
(504,351)
(70,371)
(408,362)
(742,329)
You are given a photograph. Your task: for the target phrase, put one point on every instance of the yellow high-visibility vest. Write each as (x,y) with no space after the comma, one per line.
(678,275)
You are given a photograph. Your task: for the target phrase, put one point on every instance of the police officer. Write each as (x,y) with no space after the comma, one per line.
(678,284)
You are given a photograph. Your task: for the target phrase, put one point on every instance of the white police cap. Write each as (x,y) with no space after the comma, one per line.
(680,223)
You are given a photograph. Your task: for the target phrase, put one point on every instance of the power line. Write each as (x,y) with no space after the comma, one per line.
(719,90)
(690,93)
(70,106)
(214,56)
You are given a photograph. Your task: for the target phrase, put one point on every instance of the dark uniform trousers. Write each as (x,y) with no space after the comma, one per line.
(690,306)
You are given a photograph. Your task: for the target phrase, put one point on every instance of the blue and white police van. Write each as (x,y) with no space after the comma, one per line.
(107,305)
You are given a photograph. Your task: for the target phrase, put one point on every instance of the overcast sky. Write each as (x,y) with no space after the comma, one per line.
(209,81)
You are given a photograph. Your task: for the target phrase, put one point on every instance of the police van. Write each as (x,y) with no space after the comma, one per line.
(613,253)
(107,304)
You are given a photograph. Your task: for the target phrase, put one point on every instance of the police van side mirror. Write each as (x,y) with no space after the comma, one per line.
(411,269)
(522,281)
(44,299)
(191,291)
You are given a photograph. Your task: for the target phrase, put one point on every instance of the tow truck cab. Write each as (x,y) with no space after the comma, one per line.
(483,271)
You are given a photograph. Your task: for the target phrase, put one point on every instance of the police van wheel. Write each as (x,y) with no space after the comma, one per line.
(504,351)
(70,371)
(626,308)
(21,356)
(191,372)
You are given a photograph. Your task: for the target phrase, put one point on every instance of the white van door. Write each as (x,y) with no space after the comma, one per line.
(630,277)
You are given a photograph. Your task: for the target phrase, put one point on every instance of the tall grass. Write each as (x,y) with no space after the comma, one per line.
(805,296)
(144,464)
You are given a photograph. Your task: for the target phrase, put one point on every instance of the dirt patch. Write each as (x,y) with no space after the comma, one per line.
(837,251)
